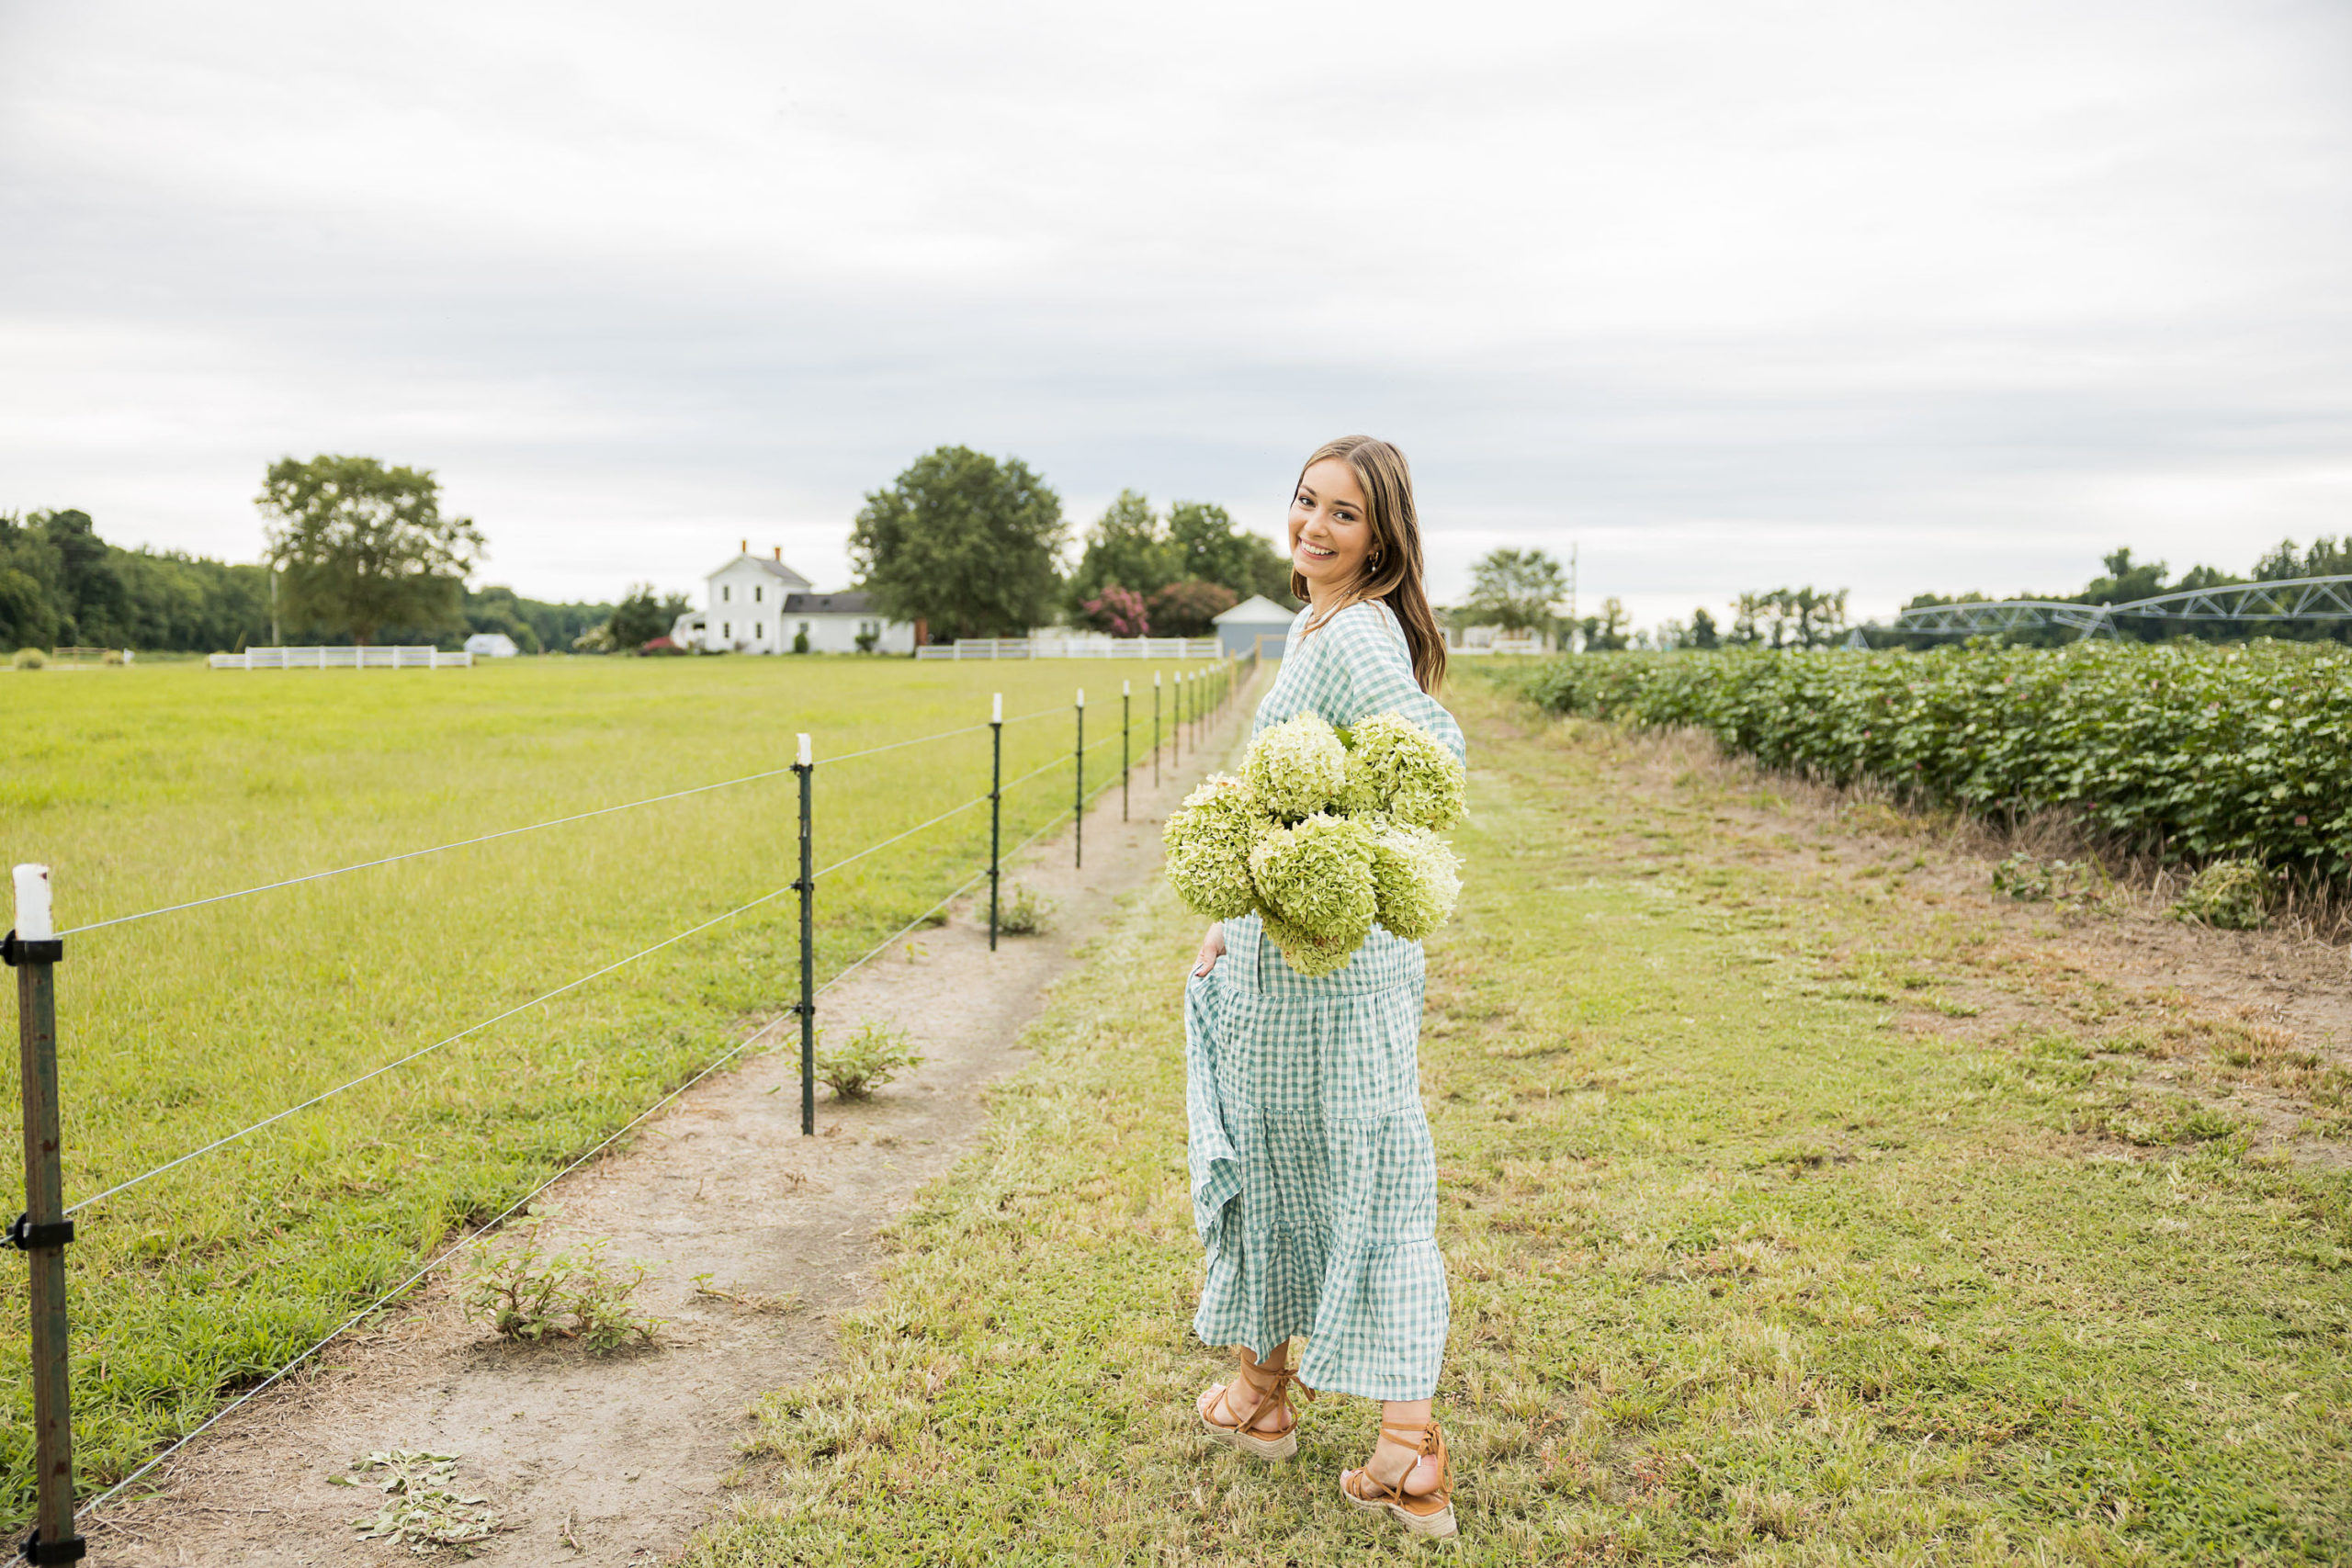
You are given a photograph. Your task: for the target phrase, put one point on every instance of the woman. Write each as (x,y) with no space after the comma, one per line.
(1314,1183)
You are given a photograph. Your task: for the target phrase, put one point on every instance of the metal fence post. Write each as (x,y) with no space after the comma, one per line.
(1155,730)
(807,768)
(1176,719)
(996,805)
(33,950)
(1078,806)
(1126,762)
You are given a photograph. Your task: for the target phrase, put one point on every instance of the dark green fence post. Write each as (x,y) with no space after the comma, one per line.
(1078,806)
(1155,730)
(1127,751)
(33,950)
(807,768)
(996,805)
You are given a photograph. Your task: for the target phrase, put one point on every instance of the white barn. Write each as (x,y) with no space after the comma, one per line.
(758,604)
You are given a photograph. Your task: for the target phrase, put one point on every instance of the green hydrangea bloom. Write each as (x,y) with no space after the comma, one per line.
(1309,956)
(1414,877)
(1396,767)
(1208,840)
(1314,882)
(1296,767)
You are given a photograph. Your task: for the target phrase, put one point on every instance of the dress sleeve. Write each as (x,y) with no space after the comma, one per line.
(1377,676)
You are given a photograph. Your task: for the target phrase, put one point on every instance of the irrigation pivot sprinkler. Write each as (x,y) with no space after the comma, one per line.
(805,766)
(33,951)
(996,805)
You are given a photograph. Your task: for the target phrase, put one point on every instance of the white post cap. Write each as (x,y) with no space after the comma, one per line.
(807,754)
(996,709)
(1123,686)
(33,923)
(1081,696)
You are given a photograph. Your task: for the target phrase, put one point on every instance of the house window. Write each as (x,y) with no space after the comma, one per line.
(759,629)
(727,629)
(755,593)
(804,628)
(726,591)
(869,628)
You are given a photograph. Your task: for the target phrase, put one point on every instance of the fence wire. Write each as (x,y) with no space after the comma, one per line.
(574,985)
(437,1259)
(1052,823)
(511,832)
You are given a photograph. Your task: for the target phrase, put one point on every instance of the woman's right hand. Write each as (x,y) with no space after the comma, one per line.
(1212,949)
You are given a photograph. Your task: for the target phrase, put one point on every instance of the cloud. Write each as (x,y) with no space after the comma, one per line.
(1891,298)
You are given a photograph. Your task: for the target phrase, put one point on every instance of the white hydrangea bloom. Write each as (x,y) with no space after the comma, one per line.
(1416,878)
(1314,882)
(1208,840)
(1396,767)
(1296,767)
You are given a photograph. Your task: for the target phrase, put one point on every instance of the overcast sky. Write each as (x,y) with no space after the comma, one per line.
(1881,294)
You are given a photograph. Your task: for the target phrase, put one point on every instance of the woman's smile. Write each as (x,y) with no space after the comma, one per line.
(1330,531)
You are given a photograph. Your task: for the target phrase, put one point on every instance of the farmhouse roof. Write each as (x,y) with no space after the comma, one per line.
(1256,610)
(827,605)
(772,564)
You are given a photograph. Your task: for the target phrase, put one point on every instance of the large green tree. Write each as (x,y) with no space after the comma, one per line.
(1204,546)
(961,543)
(1515,589)
(1124,549)
(363,546)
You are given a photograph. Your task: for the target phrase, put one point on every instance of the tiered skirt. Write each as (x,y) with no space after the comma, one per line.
(1314,1181)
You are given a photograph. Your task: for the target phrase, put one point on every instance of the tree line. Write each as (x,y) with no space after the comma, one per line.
(355,580)
(965,544)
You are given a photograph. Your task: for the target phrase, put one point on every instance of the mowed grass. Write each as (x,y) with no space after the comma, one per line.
(1741,1271)
(145,787)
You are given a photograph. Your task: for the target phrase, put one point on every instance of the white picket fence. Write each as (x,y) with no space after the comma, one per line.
(1072,648)
(392,657)
(1500,645)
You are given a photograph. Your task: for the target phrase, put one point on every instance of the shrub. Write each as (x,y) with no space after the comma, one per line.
(30,658)
(2232,893)
(1026,913)
(875,1054)
(523,1292)
(800,642)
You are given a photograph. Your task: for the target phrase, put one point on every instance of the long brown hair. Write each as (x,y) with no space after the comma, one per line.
(1392,568)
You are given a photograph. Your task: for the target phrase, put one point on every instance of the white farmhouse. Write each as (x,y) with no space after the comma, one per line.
(758,604)
(491,645)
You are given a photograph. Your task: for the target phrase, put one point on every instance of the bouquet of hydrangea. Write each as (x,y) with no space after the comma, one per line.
(1326,832)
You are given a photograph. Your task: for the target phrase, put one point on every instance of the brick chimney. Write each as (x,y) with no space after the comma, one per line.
(779,555)
(743,547)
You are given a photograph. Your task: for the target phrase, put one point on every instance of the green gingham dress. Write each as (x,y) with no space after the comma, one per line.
(1314,1182)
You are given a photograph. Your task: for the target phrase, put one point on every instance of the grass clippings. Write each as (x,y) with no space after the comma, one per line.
(423,1511)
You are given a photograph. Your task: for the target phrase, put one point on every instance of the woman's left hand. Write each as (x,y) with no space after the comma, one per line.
(1212,949)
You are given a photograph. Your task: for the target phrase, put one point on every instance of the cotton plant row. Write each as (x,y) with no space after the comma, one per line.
(1326,832)
(2192,751)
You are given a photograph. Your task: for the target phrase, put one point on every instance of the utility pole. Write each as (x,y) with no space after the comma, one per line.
(1571,648)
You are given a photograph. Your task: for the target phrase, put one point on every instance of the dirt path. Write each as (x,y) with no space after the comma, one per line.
(618,1461)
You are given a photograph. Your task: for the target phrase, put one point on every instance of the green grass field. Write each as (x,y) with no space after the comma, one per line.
(147,786)
(1750,1263)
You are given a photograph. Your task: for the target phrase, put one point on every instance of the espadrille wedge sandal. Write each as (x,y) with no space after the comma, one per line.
(1247,1430)
(1423,1512)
